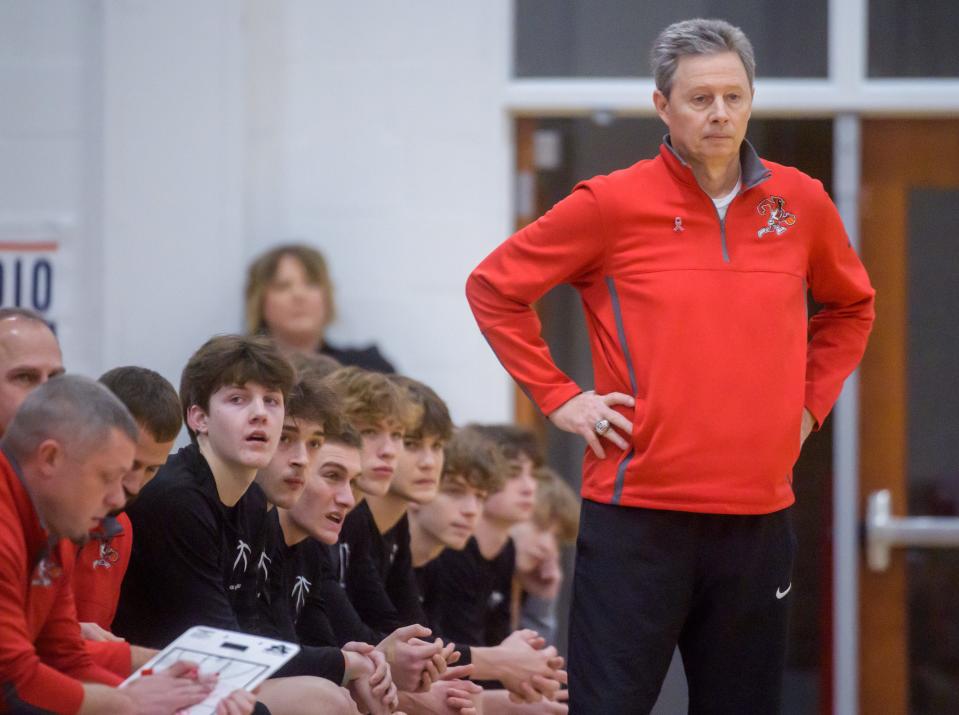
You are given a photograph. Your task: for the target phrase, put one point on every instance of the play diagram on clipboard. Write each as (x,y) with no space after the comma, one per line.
(242,661)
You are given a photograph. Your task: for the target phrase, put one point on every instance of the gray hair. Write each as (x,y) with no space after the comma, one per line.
(698,37)
(76,411)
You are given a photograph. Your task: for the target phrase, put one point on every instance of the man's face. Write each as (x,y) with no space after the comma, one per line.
(77,491)
(29,356)
(294,308)
(284,479)
(150,456)
(708,107)
(451,517)
(382,444)
(418,469)
(243,424)
(328,495)
(515,501)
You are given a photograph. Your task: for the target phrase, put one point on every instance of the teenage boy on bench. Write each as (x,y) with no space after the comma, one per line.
(472,591)
(197,520)
(474,467)
(378,526)
(380,411)
(311,414)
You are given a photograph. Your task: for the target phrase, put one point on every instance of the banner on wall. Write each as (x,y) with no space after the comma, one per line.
(31,267)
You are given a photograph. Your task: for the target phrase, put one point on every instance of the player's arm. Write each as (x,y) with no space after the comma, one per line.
(498,702)
(457,613)
(367,592)
(402,588)
(525,668)
(328,610)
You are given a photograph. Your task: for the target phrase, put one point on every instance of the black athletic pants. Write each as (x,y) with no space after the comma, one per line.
(646,580)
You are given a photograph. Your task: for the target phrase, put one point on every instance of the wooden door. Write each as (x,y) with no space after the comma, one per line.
(910,245)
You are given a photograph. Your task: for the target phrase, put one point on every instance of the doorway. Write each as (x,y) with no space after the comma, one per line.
(909,410)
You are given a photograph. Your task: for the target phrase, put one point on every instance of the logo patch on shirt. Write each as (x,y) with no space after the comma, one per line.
(108,556)
(779,218)
(46,573)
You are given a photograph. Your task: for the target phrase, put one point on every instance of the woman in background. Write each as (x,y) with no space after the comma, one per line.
(289,297)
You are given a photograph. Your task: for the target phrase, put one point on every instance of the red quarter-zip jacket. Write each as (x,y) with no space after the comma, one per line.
(704,321)
(42,656)
(97,577)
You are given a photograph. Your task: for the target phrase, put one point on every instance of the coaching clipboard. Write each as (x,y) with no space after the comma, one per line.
(242,661)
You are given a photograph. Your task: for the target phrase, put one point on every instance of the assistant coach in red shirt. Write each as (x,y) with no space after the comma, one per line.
(693,268)
(62,460)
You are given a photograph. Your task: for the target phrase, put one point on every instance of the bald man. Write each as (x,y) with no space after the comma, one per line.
(29,356)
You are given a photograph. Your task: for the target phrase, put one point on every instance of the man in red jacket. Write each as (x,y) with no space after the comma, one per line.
(63,458)
(693,268)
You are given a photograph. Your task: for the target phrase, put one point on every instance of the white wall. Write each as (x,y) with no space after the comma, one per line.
(396,163)
(46,67)
(178,139)
(172,211)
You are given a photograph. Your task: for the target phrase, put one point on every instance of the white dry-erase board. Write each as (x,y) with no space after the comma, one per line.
(242,661)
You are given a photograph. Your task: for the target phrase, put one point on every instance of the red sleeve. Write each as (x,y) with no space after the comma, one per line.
(565,245)
(114,656)
(839,331)
(60,644)
(22,673)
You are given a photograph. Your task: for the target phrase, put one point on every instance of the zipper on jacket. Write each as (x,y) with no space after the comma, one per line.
(722,226)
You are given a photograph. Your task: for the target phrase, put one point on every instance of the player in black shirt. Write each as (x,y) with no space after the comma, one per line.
(196,522)
(475,583)
(472,467)
(311,410)
(313,522)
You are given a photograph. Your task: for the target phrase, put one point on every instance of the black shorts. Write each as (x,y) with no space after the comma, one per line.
(647,580)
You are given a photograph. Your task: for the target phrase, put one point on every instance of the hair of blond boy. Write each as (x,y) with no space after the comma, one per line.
(369,399)
(232,360)
(476,460)
(557,506)
(513,440)
(263,270)
(435,420)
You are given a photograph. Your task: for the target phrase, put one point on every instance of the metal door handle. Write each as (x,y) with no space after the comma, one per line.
(883,531)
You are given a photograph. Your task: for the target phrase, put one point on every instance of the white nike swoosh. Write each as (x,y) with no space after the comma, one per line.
(782,594)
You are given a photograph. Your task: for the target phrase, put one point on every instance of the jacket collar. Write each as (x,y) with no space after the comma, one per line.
(754,172)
